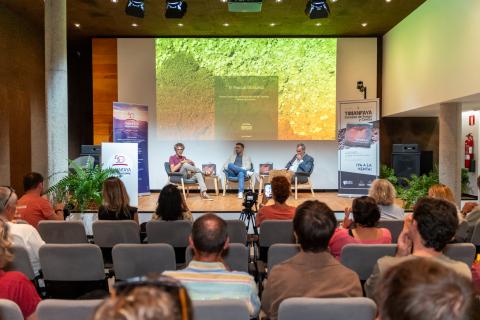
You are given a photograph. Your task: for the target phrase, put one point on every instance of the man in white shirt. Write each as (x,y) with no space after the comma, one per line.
(23,235)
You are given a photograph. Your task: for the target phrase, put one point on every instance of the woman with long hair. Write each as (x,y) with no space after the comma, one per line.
(363,229)
(116,202)
(384,194)
(171,205)
(441,191)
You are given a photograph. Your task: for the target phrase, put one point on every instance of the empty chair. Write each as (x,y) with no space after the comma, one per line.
(395,227)
(237,232)
(132,260)
(361,258)
(72,270)
(21,262)
(10,311)
(175,233)
(327,309)
(220,310)
(62,231)
(461,252)
(53,309)
(274,231)
(277,253)
(236,257)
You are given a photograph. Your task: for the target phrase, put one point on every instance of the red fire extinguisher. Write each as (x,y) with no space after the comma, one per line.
(468,150)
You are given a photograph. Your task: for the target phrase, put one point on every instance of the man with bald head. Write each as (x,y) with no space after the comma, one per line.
(206,276)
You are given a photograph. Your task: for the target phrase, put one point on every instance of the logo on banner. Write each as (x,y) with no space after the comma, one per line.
(131,122)
(120,162)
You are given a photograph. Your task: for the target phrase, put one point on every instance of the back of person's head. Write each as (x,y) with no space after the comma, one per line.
(280,189)
(424,289)
(314,224)
(8,199)
(31,181)
(115,196)
(365,211)
(441,191)
(209,234)
(6,254)
(148,301)
(383,192)
(170,205)
(437,222)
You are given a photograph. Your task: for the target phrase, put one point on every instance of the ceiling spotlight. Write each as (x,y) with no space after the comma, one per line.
(364,24)
(388,0)
(77,25)
(224,1)
(318,24)
(134,25)
(317,9)
(277,1)
(226,24)
(114,1)
(175,9)
(135,8)
(272,24)
(180,24)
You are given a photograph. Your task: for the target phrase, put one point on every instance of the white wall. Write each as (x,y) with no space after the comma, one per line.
(432,56)
(356,60)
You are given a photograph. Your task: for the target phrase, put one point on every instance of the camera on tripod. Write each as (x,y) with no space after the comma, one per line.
(250,199)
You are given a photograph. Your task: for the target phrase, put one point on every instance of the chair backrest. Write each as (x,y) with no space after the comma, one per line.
(108,233)
(361,258)
(167,167)
(236,257)
(327,309)
(276,231)
(62,231)
(476,234)
(220,310)
(280,252)
(462,232)
(21,262)
(9,310)
(133,260)
(71,262)
(237,232)
(461,252)
(53,309)
(395,227)
(175,233)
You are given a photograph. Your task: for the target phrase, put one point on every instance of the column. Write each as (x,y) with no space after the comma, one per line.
(450,154)
(56,87)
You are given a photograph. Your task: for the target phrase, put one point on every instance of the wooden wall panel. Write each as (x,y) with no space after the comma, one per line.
(105,87)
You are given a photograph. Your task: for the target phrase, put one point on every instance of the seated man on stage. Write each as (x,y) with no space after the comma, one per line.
(239,165)
(179,163)
(301,162)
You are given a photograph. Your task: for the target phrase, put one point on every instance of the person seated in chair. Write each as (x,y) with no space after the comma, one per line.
(239,166)
(179,163)
(279,210)
(300,163)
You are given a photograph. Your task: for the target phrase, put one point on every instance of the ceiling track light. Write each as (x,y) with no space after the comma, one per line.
(135,8)
(175,9)
(317,9)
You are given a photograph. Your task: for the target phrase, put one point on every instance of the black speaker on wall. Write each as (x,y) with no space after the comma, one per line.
(406,160)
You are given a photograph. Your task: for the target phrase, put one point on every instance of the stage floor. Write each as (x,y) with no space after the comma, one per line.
(230,203)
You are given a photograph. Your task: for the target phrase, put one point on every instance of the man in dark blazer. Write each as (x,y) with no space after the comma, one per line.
(300,163)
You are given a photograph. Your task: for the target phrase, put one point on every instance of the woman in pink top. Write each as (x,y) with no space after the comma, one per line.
(366,215)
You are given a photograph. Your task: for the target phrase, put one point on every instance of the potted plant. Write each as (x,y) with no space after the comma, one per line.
(81,188)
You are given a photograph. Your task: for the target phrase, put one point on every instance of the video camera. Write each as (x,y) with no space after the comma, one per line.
(250,199)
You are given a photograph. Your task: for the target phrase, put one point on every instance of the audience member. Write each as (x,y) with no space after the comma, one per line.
(147,298)
(239,166)
(279,210)
(300,163)
(180,163)
(171,205)
(313,272)
(116,202)
(425,234)
(441,191)
(364,230)
(206,276)
(23,235)
(384,194)
(14,285)
(425,289)
(32,207)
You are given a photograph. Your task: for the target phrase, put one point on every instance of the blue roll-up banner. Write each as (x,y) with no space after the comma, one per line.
(358,139)
(130,125)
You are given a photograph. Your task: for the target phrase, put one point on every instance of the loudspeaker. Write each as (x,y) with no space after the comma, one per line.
(406,160)
(91,150)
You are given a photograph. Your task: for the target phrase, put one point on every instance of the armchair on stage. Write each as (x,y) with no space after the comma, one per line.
(178,179)
(303,178)
(227,180)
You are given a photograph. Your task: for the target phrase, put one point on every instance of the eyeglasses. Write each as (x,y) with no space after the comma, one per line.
(169,284)
(179,149)
(9,196)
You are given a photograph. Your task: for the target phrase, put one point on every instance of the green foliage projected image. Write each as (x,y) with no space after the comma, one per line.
(303,71)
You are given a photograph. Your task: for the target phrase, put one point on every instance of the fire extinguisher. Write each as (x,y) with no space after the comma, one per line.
(468,150)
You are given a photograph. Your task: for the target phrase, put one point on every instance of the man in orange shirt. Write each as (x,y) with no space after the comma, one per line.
(280,210)
(32,207)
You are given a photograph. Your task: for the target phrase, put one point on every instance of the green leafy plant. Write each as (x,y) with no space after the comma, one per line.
(81,189)
(465,181)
